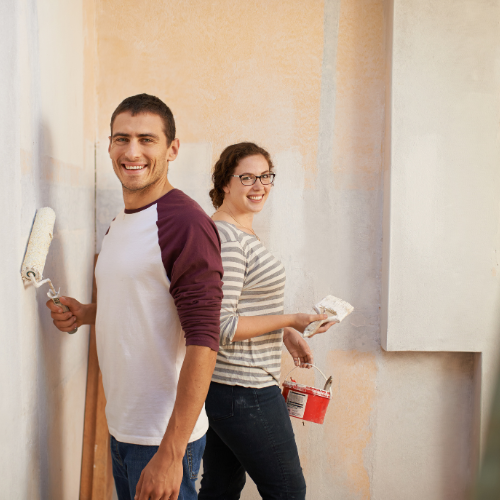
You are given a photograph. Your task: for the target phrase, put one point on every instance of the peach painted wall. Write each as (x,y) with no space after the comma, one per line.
(307,80)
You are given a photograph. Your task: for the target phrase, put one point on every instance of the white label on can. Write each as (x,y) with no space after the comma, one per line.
(296,403)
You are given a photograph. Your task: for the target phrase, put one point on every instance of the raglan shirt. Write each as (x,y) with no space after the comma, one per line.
(159,290)
(254,285)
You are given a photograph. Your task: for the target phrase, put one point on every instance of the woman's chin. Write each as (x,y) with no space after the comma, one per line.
(255,208)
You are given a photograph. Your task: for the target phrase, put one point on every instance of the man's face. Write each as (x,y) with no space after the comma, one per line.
(139,152)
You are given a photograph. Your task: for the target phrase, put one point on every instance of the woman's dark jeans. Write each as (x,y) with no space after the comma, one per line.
(250,430)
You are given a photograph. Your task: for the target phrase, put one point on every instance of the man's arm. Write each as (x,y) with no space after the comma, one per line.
(190,249)
(162,477)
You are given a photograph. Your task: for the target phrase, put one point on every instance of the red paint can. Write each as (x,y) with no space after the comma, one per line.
(305,402)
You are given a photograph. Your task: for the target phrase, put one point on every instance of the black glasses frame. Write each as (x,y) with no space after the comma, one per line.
(271,175)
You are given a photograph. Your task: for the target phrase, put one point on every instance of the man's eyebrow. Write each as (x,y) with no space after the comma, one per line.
(123,134)
(149,134)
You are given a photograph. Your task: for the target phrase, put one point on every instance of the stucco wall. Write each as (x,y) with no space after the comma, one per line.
(47,140)
(441,284)
(444,183)
(306,79)
(336,91)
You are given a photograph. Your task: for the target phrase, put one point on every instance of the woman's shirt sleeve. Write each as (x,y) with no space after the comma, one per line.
(234,262)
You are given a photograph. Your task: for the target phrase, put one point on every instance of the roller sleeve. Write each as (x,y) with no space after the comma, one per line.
(39,243)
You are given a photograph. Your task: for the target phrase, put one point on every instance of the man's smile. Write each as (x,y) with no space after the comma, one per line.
(134,166)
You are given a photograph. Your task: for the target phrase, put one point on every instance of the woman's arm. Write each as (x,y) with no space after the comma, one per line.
(254,326)
(298,348)
(233,327)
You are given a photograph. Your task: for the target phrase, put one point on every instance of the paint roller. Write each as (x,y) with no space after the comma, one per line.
(36,254)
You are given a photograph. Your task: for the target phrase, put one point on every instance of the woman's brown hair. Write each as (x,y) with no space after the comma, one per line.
(226,164)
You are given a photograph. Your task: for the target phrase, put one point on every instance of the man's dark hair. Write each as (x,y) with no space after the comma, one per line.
(226,164)
(145,103)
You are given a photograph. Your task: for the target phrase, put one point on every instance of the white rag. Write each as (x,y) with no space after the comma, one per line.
(337,309)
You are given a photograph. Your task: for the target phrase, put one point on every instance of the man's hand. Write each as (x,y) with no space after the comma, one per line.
(161,478)
(298,348)
(78,314)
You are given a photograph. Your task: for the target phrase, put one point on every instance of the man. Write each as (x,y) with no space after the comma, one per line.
(158,279)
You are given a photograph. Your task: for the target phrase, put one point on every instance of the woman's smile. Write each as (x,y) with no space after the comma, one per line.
(256,197)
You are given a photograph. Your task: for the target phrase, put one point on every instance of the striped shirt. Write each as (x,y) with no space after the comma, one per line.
(253,285)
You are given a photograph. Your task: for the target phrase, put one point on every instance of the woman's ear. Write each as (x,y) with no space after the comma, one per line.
(226,189)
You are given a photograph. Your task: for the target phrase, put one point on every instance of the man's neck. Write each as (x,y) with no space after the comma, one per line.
(138,199)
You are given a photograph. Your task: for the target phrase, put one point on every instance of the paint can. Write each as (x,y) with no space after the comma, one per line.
(305,402)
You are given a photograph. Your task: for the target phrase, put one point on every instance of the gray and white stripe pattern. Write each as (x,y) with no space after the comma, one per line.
(254,282)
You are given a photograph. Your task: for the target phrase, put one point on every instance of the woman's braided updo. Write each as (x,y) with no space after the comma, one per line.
(227,163)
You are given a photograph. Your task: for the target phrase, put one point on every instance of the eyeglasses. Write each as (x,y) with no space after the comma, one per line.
(250,179)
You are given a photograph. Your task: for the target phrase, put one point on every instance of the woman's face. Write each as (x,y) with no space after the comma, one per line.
(246,199)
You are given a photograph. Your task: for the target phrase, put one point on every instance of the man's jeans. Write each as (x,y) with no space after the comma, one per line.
(130,459)
(250,431)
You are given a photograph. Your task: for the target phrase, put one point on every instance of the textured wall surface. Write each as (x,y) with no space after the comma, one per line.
(48,145)
(441,280)
(306,79)
(341,96)
(444,186)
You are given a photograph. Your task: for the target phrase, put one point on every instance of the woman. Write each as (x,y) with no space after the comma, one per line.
(250,430)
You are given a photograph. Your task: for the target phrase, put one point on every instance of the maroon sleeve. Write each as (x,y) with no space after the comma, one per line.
(190,249)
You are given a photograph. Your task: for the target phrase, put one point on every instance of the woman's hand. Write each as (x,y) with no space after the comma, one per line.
(298,348)
(323,328)
(300,320)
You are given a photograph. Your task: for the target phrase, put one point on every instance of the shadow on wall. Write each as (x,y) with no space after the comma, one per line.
(487,485)
(49,384)
(488,481)
(458,391)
